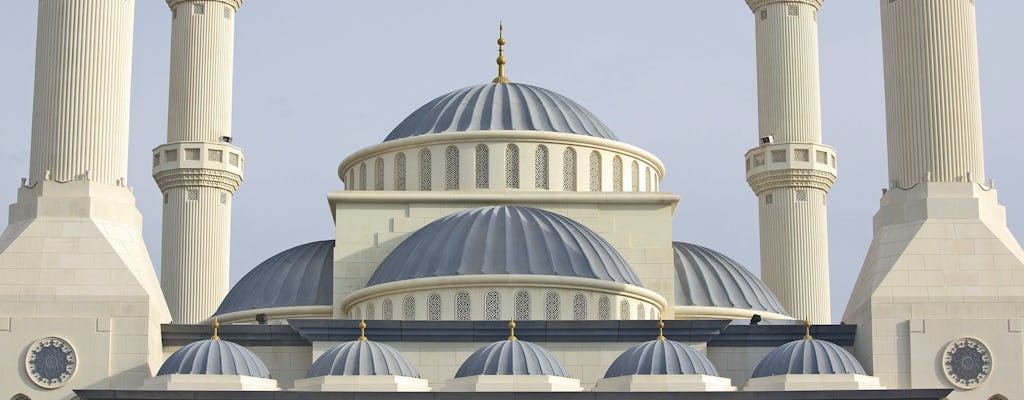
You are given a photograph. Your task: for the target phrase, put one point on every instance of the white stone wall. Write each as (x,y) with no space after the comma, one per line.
(737,363)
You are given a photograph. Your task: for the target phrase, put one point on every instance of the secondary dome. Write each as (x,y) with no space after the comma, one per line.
(511,357)
(501,106)
(705,277)
(504,240)
(808,356)
(362,357)
(214,357)
(300,276)
(661,357)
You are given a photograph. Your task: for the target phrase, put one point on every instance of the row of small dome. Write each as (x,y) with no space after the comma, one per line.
(510,357)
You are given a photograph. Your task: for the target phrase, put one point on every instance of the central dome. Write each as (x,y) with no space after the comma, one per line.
(498,107)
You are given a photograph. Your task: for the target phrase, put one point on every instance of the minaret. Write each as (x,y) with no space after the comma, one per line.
(198,170)
(790,170)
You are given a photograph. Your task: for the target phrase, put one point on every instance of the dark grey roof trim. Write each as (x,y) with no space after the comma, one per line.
(300,276)
(896,394)
(661,357)
(708,278)
(808,356)
(777,335)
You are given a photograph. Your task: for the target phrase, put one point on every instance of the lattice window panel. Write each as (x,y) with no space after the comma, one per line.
(400,171)
(387,310)
(20,396)
(192,154)
(604,308)
(462,306)
(801,195)
(764,14)
(233,159)
(425,169)
(378,174)
(492,306)
(362,176)
(640,311)
(647,181)
(821,157)
(216,156)
(793,11)
(541,167)
(652,314)
(156,159)
(451,168)
(512,166)
(171,155)
(758,159)
(595,171)
(634,175)
(778,156)
(434,307)
(371,311)
(617,174)
(624,310)
(167,198)
(569,170)
(522,311)
(802,155)
(552,310)
(482,167)
(768,199)
(227,12)
(223,198)
(199,8)
(192,194)
(579,307)
(357,313)
(409,308)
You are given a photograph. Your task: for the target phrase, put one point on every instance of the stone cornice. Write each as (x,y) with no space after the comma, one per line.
(756,4)
(779,178)
(197,177)
(232,3)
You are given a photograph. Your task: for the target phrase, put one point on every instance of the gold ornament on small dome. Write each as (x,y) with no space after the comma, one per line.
(362,331)
(661,329)
(807,330)
(512,330)
(216,325)
(501,56)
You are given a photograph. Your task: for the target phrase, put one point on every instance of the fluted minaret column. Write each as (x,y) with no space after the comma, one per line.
(790,171)
(198,170)
(933,100)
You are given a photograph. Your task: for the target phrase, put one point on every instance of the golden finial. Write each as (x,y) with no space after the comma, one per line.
(215,326)
(807,330)
(362,330)
(501,56)
(512,330)
(661,329)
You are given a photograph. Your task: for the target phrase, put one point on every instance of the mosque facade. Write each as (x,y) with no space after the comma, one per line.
(502,239)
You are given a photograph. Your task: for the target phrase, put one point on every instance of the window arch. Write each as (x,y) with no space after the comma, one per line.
(351,181)
(541,167)
(617,174)
(409,308)
(624,310)
(425,169)
(652,314)
(357,313)
(647,182)
(378,173)
(451,168)
(462,306)
(551,306)
(604,308)
(569,169)
(482,168)
(400,171)
(634,176)
(512,166)
(522,305)
(434,307)
(21,396)
(387,310)
(579,307)
(371,311)
(492,306)
(595,171)
(362,176)
(994,397)
(640,311)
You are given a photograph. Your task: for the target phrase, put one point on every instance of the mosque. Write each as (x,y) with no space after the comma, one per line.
(502,239)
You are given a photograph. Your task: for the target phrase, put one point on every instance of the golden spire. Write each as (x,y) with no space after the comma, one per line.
(362,331)
(215,326)
(661,329)
(807,330)
(501,56)
(512,330)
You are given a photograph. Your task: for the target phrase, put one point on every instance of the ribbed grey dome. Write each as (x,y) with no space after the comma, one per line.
(214,357)
(362,357)
(501,106)
(300,276)
(511,357)
(661,357)
(705,277)
(504,240)
(808,356)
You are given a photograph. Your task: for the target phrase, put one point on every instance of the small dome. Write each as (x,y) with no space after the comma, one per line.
(362,357)
(214,357)
(504,240)
(511,357)
(661,357)
(300,276)
(501,106)
(808,356)
(705,277)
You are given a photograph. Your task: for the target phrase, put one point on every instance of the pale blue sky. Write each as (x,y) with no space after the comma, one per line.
(317,80)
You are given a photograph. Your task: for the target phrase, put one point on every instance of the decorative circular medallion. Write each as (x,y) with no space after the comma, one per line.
(967,363)
(51,362)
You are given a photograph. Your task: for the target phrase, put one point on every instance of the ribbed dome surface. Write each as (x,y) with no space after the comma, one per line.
(300,276)
(501,106)
(705,277)
(661,357)
(362,357)
(214,357)
(504,240)
(808,356)
(511,357)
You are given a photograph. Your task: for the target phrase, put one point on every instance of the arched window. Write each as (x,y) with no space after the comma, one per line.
(647,182)
(617,174)
(595,171)
(541,164)
(551,306)
(351,181)
(371,311)
(357,313)
(482,168)
(512,166)
(451,168)
(522,306)
(604,308)
(362,176)
(634,176)
(579,307)
(400,171)
(994,397)
(22,396)
(640,311)
(425,169)
(624,310)
(409,308)
(462,306)
(492,306)
(378,173)
(569,169)
(387,310)
(434,307)
(652,314)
